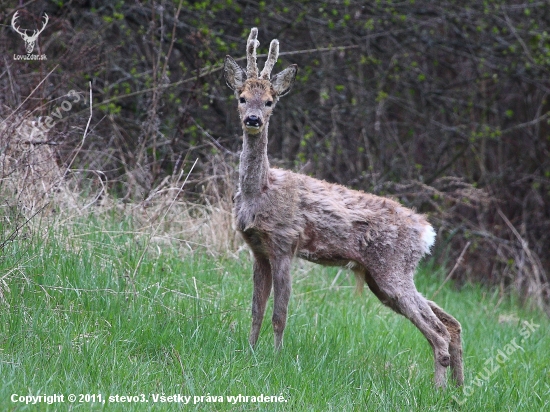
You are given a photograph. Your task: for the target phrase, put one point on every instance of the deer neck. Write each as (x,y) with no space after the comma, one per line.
(254,166)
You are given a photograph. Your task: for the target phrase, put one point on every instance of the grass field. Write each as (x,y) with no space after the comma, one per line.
(96,307)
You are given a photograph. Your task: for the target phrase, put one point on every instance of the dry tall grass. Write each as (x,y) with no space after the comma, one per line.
(32,182)
(29,174)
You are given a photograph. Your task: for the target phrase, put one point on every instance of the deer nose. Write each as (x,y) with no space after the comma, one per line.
(253,121)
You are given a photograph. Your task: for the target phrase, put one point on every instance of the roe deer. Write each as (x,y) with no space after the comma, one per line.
(281,214)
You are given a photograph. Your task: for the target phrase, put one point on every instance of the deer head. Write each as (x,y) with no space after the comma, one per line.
(258,94)
(29,40)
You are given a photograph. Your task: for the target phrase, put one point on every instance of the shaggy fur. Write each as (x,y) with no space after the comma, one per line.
(281,214)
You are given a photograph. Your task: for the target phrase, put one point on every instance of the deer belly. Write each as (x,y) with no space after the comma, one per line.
(324,251)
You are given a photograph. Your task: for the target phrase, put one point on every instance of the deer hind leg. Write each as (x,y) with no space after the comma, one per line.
(280,268)
(401,295)
(262,290)
(455,347)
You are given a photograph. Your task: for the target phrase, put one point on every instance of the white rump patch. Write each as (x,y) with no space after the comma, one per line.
(427,238)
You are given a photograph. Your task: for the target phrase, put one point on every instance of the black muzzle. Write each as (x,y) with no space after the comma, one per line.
(253,121)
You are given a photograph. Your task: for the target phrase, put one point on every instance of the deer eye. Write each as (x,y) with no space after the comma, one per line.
(242,100)
(269,103)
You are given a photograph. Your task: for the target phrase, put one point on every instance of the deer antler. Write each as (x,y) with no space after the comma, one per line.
(271,59)
(251,45)
(251,66)
(13,19)
(46,20)
(35,33)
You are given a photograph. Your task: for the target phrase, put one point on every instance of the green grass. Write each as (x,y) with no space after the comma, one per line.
(79,318)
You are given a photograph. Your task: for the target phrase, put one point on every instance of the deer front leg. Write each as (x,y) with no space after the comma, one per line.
(280,267)
(262,289)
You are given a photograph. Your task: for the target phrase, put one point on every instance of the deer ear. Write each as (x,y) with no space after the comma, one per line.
(235,76)
(282,82)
